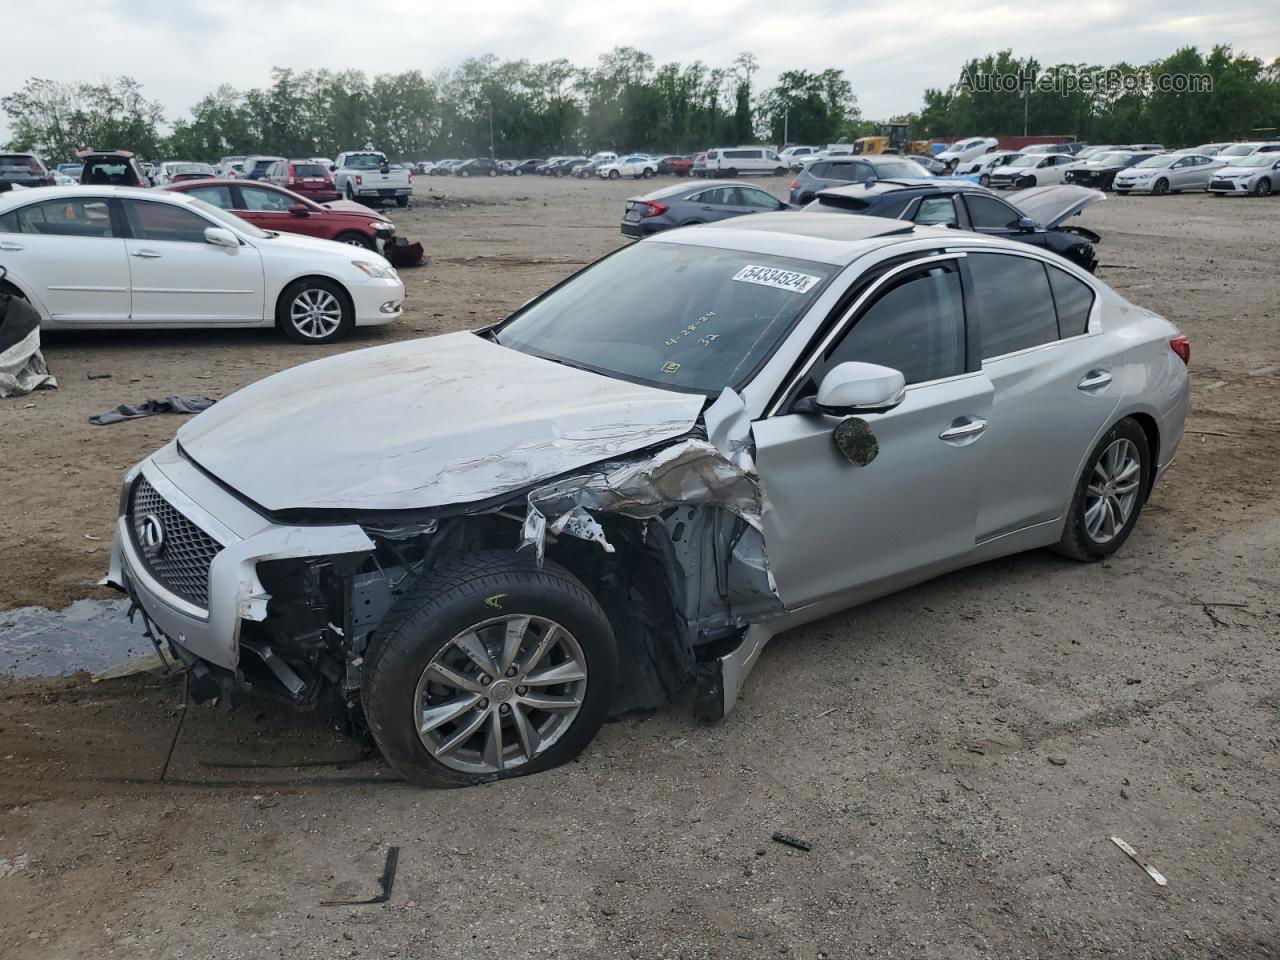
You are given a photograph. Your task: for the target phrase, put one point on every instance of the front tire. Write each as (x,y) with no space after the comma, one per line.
(353,239)
(614,175)
(315,310)
(984,180)
(518,172)
(1110,494)
(1262,188)
(1160,187)
(490,667)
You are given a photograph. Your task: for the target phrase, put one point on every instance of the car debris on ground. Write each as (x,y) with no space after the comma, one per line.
(151,407)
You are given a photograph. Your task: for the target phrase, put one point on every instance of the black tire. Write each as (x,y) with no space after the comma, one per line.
(1122,193)
(1076,542)
(731,172)
(517,172)
(284,310)
(984,179)
(351,194)
(354,239)
(647,174)
(464,173)
(1262,188)
(459,593)
(402,201)
(779,171)
(614,175)
(493,173)
(1160,187)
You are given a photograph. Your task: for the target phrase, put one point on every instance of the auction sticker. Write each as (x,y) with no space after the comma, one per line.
(787,280)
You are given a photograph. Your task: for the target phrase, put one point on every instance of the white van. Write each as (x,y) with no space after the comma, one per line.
(731,161)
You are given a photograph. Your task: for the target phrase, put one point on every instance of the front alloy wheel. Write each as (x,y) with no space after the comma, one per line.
(314,310)
(500,694)
(490,666)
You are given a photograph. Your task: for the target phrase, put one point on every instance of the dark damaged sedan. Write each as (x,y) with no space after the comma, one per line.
(686,204)
(1036,215)
(485,543)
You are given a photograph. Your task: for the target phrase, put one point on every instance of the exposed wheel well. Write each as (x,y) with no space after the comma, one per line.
(11,290)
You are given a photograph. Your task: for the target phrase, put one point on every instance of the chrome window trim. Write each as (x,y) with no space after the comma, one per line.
(839,327)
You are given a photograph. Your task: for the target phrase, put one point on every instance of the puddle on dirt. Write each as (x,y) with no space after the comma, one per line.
(86,635)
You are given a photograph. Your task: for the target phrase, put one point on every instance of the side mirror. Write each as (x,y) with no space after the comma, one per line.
(1026,225)
(853,387)
(333,167)
(221,237)
(299,210)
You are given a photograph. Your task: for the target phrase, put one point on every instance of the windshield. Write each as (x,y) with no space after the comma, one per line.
(1156,162)
(228,219)
(900,168)
(1257,160)
(1112,159)
(369,161)
(309,170)
(672,315)
(191,168)
(1238,150)
(1026,160)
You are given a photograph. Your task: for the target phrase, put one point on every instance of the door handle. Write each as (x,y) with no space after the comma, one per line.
(7,245)
(964,428)
(146,254)
(1094,380)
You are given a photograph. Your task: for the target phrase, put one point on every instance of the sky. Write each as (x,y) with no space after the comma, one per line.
(890,50)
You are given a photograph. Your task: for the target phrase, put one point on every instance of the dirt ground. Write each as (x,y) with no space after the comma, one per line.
(958,754)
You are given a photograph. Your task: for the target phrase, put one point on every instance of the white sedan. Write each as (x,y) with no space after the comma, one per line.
(1168,173)
(1032,170)
(123,257)
(636,166)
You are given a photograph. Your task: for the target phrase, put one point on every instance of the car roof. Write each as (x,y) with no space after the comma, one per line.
(806,236)
(687,187)
(872,188)
(59,193)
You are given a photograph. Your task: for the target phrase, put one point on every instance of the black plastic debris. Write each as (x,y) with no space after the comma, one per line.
(787,840)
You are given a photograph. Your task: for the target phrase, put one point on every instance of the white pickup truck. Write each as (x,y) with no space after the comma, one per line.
(366,175)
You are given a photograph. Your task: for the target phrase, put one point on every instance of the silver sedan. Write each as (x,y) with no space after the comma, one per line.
(485,543)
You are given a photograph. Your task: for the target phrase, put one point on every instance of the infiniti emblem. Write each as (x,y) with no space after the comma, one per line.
(151,535)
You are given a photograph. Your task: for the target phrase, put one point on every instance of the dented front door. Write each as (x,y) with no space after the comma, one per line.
(834,525)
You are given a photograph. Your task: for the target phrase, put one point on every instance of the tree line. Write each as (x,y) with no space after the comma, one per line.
(625,101)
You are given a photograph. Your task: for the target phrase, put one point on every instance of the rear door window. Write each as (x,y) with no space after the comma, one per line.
(936,212)
(988,213)
(218,196)
(72,217)
(267,201)
(1013,303)
(757,199)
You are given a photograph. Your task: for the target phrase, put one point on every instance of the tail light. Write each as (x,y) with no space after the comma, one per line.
(1182,347)
(794,184)
(359,180)
(655,209)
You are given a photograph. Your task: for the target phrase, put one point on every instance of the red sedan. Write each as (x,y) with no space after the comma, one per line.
(271,207)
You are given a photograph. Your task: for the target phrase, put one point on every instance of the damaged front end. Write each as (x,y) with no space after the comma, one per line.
(667,539)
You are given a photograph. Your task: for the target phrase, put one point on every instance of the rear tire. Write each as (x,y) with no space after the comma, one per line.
(1109,495)
(477,596)
(402,201)
(779,171)
(731,172)
(350,194)
(308,309)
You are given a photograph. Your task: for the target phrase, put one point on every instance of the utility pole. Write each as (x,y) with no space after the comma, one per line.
(491,153)
(1026,105)
(786,125)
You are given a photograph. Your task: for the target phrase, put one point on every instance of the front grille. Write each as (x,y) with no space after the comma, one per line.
(181,560)
(1222,185)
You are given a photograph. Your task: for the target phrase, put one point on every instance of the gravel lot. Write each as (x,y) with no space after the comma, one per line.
(958,754)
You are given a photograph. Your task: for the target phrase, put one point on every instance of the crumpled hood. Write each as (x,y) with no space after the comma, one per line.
(425,423)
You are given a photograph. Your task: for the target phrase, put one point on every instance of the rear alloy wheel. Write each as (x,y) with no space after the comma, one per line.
(1112,489)
(490,667)
(1160,187)
(1262,188)
(315,310)
(353,239)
